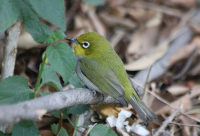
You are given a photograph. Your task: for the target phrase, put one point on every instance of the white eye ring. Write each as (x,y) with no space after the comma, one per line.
(85,44)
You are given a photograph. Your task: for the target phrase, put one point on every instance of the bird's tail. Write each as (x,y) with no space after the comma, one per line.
(145,113)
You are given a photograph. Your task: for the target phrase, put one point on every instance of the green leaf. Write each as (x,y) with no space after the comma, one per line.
(7,14)
(79,109)
(25,10)
(102,130)
(57,114)
(45,93)
(94,2)
(51,10)
(49,76)
(4,134)
(25,128)
(62,60)
(39,31)
(75,81)
(58,35)
(15,89)
(63,132)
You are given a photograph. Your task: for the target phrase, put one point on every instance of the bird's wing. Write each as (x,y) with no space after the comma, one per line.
(104,78)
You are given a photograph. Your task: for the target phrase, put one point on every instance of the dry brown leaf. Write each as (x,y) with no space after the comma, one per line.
(97,23)
(116,2)
(109,109)
(142,42)
(195,27)
(25,41)
(183,3)
(140,14)
(178,89)
(46,121)
(46,133)
(184,100)
(157,104)
(112,21)
(155,20)
(186,131)
(83,23)
(195,71)
(69,128)
(119,11)
(148,59)
(144,39)
(185,51)
(45,88)
(118,35)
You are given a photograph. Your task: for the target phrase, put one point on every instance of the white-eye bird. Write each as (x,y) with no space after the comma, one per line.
(101,69)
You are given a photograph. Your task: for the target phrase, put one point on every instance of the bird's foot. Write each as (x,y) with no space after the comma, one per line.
(85,86)
(94,92)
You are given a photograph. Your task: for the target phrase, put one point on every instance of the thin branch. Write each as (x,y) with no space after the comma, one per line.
(28,110)
(10,50)
(167,121)
(167,103)
(90,129)
(157,8)
(188,125)
(9,55)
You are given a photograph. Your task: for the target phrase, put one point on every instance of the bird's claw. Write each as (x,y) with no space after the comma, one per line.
(94,92)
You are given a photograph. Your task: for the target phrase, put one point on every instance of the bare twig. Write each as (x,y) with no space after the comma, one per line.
(90,129)
(145,92)
(164,101)
(28,110)
(100,28)
(158,8)
(10,50)
(115,39)
(9,55)
(188,125)
(60,123)
(167,121)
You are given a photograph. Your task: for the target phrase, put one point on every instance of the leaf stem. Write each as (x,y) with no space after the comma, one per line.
(37,87)
(75,127)
(70,121)
(83,127)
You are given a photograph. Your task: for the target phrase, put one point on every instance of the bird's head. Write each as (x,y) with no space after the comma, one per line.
(90,43)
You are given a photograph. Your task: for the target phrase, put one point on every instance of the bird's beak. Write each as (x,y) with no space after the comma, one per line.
(74,40)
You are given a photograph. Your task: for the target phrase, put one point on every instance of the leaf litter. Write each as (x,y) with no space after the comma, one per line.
(142,33)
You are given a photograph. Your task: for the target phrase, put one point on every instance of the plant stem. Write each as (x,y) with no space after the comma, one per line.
(83,127)
(37,87)
(70,121)
(75,127)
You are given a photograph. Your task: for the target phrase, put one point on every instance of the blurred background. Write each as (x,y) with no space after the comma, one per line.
(164,34)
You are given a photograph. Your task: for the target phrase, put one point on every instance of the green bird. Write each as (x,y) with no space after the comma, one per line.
(101,69)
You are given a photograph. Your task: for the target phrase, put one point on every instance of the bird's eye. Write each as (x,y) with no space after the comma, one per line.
(85,44)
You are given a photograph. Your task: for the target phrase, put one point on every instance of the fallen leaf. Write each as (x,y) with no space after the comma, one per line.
(109,109)
(178,89)
(185,51)
(97,23)
(184,100)
(46,133)
(148,59)
(113,21)
(184,3)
